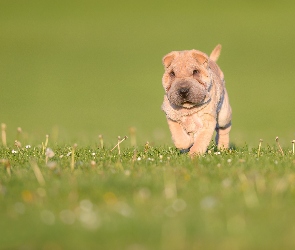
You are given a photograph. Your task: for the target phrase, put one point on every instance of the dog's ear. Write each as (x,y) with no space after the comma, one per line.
(201,57)
(167,60)
(215,53)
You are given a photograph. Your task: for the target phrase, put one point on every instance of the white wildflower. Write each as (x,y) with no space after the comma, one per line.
(208,203)
(49,153)
(179,205)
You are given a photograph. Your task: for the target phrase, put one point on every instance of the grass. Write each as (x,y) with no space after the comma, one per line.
(148,198)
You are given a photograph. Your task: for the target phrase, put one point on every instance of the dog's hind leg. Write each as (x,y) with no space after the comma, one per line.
(223,123)
(222,137)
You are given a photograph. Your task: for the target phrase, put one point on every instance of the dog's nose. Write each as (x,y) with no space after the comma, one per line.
(183,92)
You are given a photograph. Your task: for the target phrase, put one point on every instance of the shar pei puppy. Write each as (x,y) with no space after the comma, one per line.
(196,102)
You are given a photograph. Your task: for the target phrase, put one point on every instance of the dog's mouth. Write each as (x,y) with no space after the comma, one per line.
(189,104)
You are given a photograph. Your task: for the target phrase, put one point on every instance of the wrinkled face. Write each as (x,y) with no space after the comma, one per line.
(186,79)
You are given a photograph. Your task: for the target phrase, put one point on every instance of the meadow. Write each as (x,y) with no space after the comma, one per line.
(71,197)
(76,70)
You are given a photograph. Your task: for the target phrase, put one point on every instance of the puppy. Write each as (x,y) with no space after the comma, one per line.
(196,102)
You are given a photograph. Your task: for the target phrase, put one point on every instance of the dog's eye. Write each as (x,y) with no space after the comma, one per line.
(196,72)
(172,74)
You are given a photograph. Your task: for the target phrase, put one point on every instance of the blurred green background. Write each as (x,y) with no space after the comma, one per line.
(76,69)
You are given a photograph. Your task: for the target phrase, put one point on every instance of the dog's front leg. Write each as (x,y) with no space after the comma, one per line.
(179,136)
(203,137)
(224,123)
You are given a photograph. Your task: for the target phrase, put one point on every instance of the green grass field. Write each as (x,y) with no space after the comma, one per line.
(151,198)
(75,70)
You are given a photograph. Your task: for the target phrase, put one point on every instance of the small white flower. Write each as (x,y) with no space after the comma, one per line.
(179,205)
(68,154)
(208,203)
(226,183)
(93,154)
(28,146)
(14,151)
(49,153)
(86,205)
(139,158)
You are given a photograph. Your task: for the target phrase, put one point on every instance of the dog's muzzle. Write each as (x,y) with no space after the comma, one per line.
(187,93)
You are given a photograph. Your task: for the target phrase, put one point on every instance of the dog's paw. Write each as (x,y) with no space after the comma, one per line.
(184,151)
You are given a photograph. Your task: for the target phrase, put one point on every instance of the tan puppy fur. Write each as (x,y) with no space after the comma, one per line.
(196,102)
